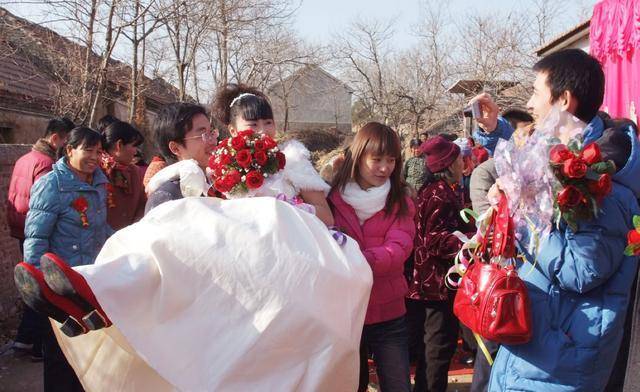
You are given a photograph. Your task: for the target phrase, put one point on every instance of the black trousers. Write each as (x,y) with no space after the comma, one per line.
(58,374)
(440,331)
(481,368)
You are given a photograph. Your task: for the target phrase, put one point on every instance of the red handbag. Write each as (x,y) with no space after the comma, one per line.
(491,299)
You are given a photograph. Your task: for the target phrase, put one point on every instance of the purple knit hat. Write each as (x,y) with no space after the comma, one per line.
(439,153)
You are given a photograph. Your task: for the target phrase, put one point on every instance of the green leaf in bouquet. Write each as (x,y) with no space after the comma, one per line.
(636,222)
(631,249)
(574,146)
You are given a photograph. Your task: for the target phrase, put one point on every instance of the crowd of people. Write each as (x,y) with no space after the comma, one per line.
(405,217)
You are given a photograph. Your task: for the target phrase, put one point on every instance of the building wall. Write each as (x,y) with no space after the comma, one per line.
(25,127)
(314,98)
(10,303)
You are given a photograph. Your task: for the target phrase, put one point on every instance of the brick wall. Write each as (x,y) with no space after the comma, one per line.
(9,251)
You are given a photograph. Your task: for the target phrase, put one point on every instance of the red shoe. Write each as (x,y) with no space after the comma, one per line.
(65,281)
(39,297)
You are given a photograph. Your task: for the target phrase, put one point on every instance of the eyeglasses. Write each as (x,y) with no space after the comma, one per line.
(207,137)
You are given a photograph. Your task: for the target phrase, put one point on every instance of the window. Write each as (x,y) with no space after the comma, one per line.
(6,135)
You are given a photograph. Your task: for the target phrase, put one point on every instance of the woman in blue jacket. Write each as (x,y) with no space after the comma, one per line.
(67,216)
(579,290)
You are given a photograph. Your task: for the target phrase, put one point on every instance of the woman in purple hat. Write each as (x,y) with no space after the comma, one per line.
(437,218)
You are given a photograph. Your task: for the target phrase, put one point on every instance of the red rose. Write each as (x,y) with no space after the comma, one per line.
(238,142)
(569,197)
(225,159)
(243,157)
(559,153)
(246,133)
(259,145)
(254,179)
(281,160)
(233,177)
(574,168)
(591,154)
(602,187)
(222,184)
(212,162)
(269,143)
(633,237)
(260,157)
(223,143)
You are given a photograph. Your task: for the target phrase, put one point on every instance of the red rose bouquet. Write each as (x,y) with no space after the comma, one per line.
(240,164)
(584,180)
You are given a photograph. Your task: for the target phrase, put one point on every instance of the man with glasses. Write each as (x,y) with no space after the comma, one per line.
(182,131)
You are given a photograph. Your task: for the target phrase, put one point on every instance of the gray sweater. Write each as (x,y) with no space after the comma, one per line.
(482,178)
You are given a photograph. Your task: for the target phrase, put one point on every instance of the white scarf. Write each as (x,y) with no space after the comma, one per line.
(366,202)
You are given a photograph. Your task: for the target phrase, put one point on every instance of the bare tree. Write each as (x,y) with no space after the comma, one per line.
(364,51)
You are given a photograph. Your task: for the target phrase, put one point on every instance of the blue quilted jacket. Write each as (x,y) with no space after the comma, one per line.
(579,292)
(53,225)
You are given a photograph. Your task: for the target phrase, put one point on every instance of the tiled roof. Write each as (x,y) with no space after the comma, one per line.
(23,44)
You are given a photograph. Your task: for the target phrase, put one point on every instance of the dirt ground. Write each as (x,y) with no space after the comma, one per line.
(19,374)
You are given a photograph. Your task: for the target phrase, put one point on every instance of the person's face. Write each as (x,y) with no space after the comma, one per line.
(423,138)
(58,140)
(84,159)
(262,126)
(375,170)
(198,142)
(415,151)
(124,153)
(540,103)
(457,168)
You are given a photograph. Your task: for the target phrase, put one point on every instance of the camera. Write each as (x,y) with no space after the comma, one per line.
(473,110)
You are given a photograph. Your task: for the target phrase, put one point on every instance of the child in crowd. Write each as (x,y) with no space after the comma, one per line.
(371,205)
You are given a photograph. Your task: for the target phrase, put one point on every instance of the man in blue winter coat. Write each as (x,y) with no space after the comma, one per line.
(579,288)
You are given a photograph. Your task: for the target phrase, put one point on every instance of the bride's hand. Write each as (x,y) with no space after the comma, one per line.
(494,193)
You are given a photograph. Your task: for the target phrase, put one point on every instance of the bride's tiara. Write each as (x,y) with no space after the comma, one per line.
(239,97)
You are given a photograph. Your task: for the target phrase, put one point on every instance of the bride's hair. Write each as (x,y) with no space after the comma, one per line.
(376,139)
(235,101)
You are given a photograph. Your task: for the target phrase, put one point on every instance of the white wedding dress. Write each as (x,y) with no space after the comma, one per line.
(227,295)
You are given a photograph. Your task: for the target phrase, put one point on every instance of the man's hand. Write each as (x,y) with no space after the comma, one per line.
(489,120)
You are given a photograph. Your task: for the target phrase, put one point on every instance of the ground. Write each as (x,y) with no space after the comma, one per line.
(19,374)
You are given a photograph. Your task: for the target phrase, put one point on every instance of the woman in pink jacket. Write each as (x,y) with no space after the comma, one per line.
(371,204)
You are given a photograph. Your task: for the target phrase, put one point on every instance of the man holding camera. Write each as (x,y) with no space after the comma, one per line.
(580,281)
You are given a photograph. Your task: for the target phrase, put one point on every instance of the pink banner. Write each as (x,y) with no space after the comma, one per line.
(615,41)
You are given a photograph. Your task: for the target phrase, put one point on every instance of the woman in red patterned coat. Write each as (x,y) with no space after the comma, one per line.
(438,217)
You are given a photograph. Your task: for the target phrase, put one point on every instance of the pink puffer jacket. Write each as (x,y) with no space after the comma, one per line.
(386,241)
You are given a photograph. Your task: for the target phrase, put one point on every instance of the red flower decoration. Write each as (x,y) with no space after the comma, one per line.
(269,143)
(569,197)
(574,168)
(246,133)
(259,145)
(260,157)
(559,153)
(222,184)
(110,202)
(591,154)
(243,157)
(282,161)
(234,177)
(238,142)
(254,179)
(602,187)
(81,205)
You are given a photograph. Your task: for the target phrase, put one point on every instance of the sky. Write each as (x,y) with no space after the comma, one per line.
(317,20)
